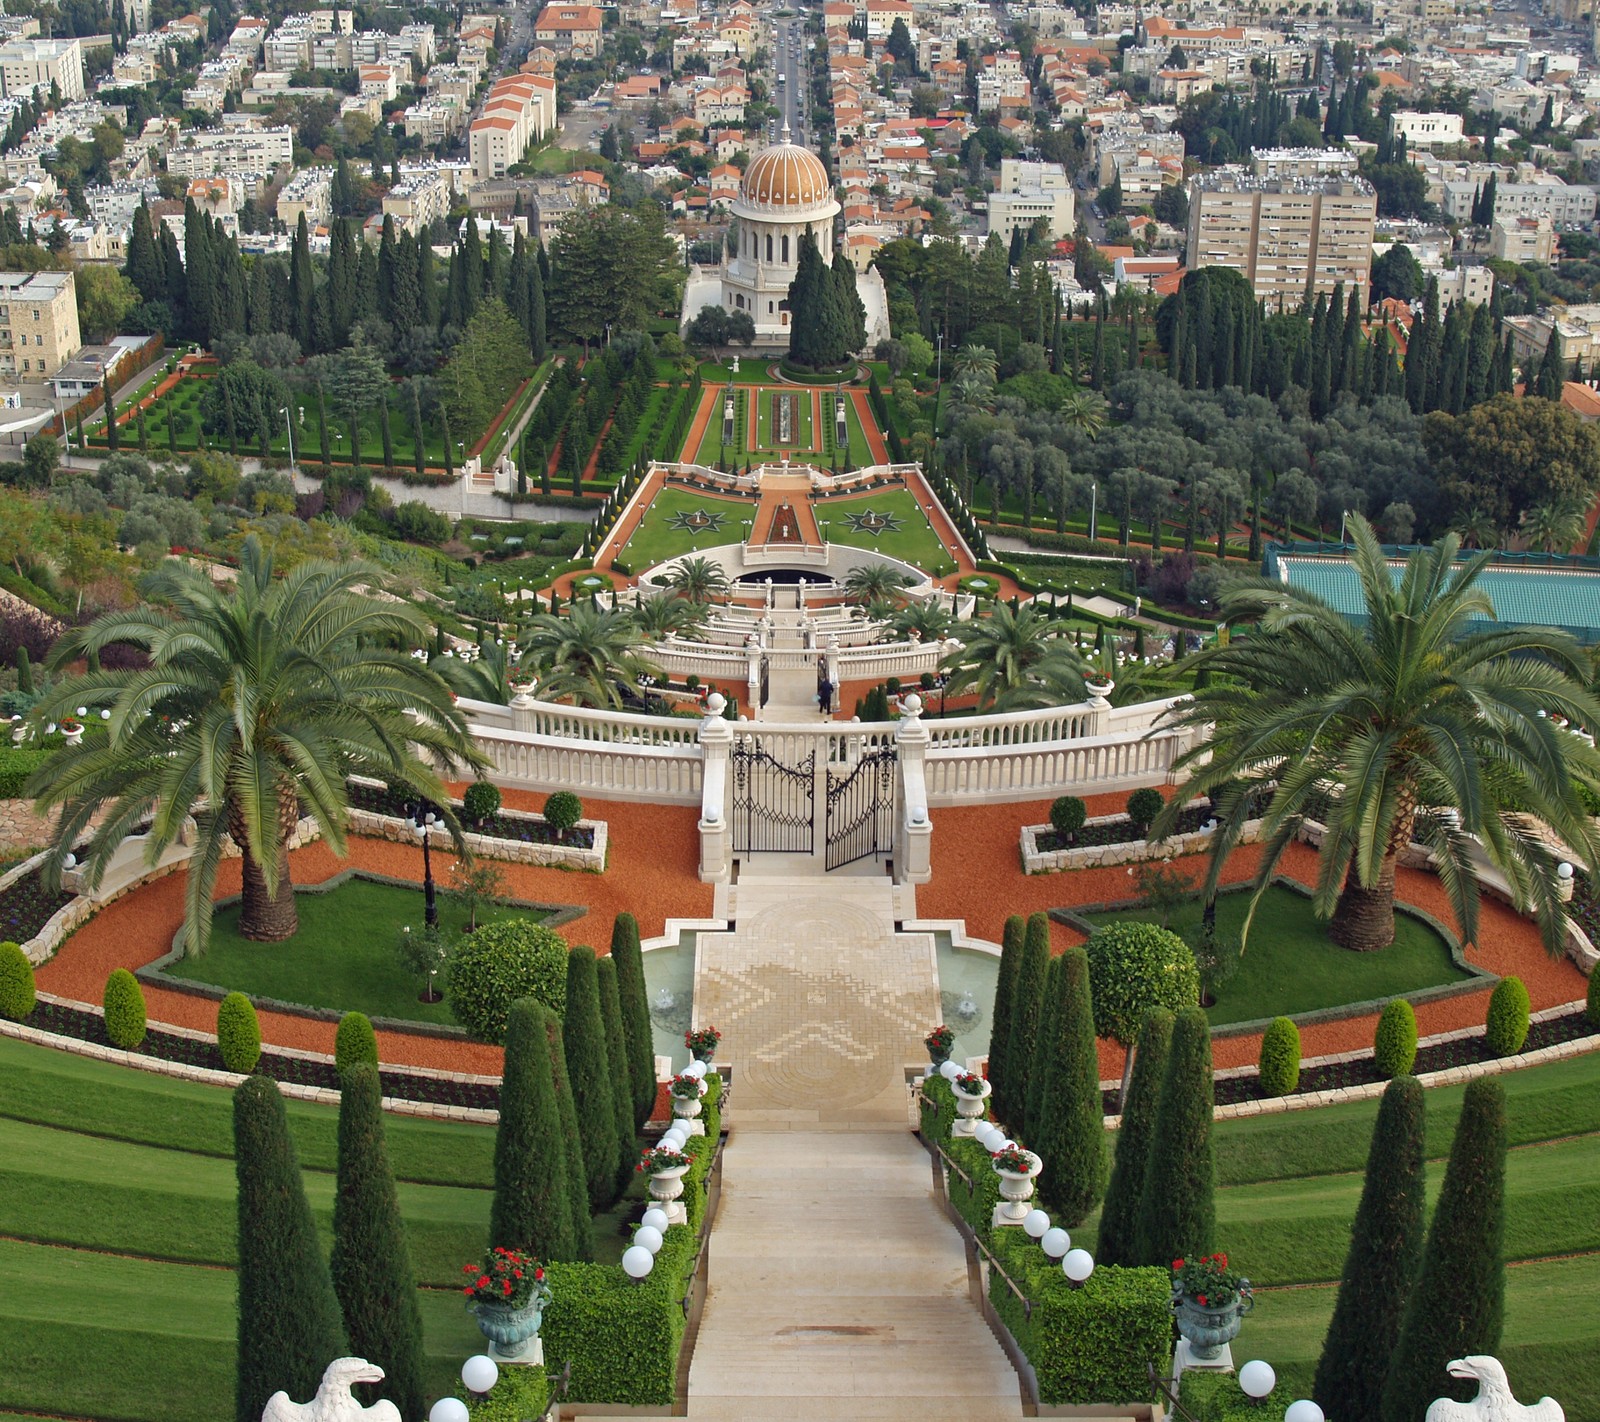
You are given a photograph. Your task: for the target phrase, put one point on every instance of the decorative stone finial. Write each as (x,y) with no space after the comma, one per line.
(333,1402)
(1494,1402)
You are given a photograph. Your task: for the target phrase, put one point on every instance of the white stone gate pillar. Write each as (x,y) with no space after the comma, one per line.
(716,741)
(914,855)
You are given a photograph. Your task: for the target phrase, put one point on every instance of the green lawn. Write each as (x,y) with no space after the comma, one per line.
(343,956)
(913,541)
(655,539)
(767,419)
(1291,966)
(711,450)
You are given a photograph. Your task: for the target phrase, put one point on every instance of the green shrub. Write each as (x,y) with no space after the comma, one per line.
(1067,814)
(1457,1304)
(1591,1007)
(1134,967)
(1005,986)
(354,1042)
(1070,1135)
(589,1071)
(500,963)
(1279,1064)
(531,1210)
(1027,1008)
(125,1014)
(238,1033)
(1143,807)
(1119,1214)
(519,1393)
(561,811)
(635,1003)
(1217,1397)
(17,994)
(480,801)
(1507,1026)
(17,763)
(1394,1048)
(1385,1247)
(1177,1213)
(617,1059)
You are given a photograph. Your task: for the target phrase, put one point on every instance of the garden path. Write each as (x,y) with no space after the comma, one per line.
(839,1288)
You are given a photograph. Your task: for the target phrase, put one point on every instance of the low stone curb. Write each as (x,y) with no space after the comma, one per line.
(1101,856)
(511,851)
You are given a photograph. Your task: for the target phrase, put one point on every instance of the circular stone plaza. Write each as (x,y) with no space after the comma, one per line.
(822,843)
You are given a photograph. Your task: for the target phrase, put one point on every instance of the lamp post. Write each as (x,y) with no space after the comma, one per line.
(422,818)
(1094,509)
(288,426)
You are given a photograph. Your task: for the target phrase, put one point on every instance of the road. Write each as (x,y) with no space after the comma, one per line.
(789,59)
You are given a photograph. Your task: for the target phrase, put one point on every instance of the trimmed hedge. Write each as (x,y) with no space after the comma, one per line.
(500,963)
(1134,967)
(1394,1047)
(125,1014)
(16,765)
(17,993)
(1591,1008)
(1279,1064)
(355,1042)
(521,1392)
(1217,1397)
(238,1033)
(1507,1026)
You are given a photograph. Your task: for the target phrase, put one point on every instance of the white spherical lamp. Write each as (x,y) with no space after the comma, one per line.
(655,1219)
(449,1409)
(1035,1223)
(983,1132)
(1257,1379)
(1056,1242)
(647,1237)
(951,1070)
(1563,870)
(1078,1265)
(637,1261)
(1305,1410)
(480,1373)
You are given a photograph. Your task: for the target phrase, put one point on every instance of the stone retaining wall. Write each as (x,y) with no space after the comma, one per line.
(512,851)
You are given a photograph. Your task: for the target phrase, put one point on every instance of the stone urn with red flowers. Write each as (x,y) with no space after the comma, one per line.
(508,1294)
(1210,1301)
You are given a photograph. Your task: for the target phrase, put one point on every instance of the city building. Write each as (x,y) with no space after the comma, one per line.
(518,110)
(1284,235)
(38,323)
(232,150)
(570,29)
(27,65)
(1523,239)
(309,194)
(1425,130)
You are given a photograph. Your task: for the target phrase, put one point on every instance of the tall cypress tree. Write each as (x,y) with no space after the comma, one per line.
(532,1174)
(144,267)
(1070,1135)
(289,1328)
(322,426)
(589,1071)
(1119,1215)
(385,432)
(617,1059)
(640,1041)
(371,1266)
(1039,1066)
(1177,1211)
(303,287)
(1000,1016)
(1385,1249)
(1026,1005)
(113,432)
(572,1140)
(536,311)
(416,427)
(1457,1305)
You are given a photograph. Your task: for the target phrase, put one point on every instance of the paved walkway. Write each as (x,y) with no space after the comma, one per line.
(838,1287)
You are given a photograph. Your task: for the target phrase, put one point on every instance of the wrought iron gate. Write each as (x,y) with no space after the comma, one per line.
(861,809)
(773,803)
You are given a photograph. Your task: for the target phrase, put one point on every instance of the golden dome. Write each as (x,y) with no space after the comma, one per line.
(784,176)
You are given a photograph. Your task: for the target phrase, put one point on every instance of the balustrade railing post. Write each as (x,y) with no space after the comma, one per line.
(914,860)
(716,741)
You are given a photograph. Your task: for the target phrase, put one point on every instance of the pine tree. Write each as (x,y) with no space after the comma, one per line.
(371,1265)
(1026,1004)
(1001,1015)
(1119,1215)
(1385,1249)
(1070,1136)
(1457,1304)
(617,1059)
(532,1172)
(572,1138)
(289,1328)
(589,1071)
(641,1052)
(1177,1210)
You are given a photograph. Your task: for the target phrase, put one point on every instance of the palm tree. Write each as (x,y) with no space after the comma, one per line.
(1016,661)
(872,583)
(1477,530)
(1554,527)
(924,617)
(587,657)
(973,369)
(486,677)
(1084,410)
(698,580)
(260,699)
(658,618)
(1415,724)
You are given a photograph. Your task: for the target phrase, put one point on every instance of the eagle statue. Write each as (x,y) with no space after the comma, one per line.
(333,1402)
(1494,1402)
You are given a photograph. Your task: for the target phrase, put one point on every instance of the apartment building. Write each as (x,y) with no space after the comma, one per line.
(232,150)
(518,110)
(38,323)
(570,29)
(1523,239)
(1425,130)
(309,194)
(30,64)
(416,200)
(1541,195)
(1282,234)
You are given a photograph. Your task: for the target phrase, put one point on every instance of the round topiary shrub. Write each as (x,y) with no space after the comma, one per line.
(1143,807)
(1506,1028)
(125,1015)
(480,802)
(1134,967)
(500,963)
(561,811)
(354,1042)
(16,982)
(1592,1001)
(1394,1048)
(1279,1065)
(1067,814)
(238,1033)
